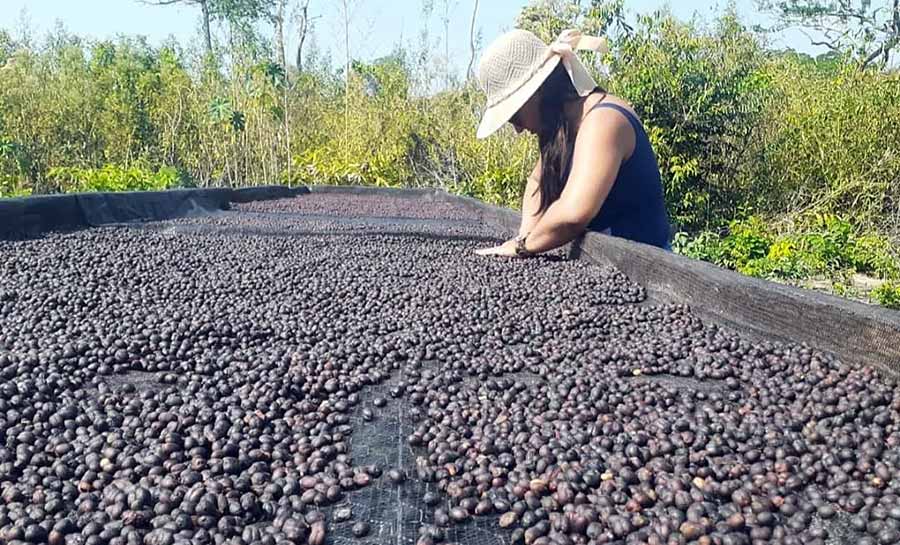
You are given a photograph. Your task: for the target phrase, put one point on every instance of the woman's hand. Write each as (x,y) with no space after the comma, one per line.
(507,249)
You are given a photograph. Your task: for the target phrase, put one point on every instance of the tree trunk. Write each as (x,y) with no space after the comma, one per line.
(469,73)
(279,36)
(302,31)
(207,35)
(346,5)
(447,44)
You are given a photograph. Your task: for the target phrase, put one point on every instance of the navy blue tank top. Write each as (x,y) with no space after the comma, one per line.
(635,207)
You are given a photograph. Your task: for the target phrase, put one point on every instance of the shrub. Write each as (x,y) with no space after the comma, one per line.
(113,178)
(699,94)
(815,245)
(888,295)
(829,142)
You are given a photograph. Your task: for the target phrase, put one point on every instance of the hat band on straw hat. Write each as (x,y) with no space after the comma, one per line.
(517,63)
(564,47)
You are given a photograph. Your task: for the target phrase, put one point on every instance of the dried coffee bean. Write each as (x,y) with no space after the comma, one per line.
(396,476)
(360,529)
(431,499)
(342,514)
(458,514)
(441,517)
(508,519)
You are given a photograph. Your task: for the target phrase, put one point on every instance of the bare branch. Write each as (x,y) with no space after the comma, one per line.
(842,25)
(469,73)
(278,19)
(166,2)
(829,45)
(832,45)
(872,56)
(896,18)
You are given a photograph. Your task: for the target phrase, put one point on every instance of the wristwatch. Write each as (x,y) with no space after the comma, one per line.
(521,250)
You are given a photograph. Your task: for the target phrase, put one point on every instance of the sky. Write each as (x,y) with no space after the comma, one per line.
(377,27)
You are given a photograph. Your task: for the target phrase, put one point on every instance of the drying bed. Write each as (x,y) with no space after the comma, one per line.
(293,371)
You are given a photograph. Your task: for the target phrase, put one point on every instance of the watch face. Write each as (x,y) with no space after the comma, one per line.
(520,246)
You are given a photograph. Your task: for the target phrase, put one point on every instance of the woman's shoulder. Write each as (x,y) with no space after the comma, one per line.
(597,100)
(601,123)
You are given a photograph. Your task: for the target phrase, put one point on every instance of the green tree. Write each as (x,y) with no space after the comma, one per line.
(222,10)
(387,76)
(699,94)
(868,30)
(7,46)
(548,18)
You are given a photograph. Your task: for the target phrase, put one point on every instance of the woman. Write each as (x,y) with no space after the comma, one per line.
(596,170)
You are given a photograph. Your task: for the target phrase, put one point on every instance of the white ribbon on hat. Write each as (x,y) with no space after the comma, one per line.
(570,41)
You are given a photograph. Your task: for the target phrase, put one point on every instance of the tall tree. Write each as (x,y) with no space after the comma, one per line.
(222,10)
(547,18)
(867,29)
(277,17)
(472,44)
(347,9)
(447,8)
(304,26)
(205,18)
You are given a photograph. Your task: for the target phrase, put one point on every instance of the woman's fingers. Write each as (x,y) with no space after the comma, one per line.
(508,249)
(489,251)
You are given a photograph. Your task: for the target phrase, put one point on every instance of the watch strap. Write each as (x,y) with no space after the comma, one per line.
(521,250)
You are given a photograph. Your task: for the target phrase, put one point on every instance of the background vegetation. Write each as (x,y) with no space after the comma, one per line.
(775,164)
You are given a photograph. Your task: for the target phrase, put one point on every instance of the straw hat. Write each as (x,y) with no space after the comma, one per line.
(515,65)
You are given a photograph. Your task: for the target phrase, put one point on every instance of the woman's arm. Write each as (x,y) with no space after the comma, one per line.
(600,148)
(531,200)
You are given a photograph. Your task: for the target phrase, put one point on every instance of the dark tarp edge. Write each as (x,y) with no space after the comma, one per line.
(266,193)
(34,215)
(106,208)
(31,216)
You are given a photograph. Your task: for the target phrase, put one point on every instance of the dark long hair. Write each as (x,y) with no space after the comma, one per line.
(557,135)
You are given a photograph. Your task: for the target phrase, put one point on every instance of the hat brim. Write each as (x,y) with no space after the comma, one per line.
(498,114)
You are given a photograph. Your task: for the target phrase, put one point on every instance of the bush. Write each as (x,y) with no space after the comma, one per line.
(887,295)
(699,94)
(829,142)
(113,178)
(821,245)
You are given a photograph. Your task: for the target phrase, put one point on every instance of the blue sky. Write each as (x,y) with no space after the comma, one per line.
(378,24)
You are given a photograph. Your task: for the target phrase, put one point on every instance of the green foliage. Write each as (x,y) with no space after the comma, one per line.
(829,142)
(114,178)
(818,245)
(387,77)
(868,30)
(874,254)
(548,18)
(15,166)
(747,241)
(325,165)
(705,246)
(699,94)
(888,295)
(238,10)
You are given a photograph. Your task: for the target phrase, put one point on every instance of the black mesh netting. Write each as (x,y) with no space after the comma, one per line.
(222,378)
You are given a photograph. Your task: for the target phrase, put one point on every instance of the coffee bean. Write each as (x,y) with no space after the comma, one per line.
(360,529)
